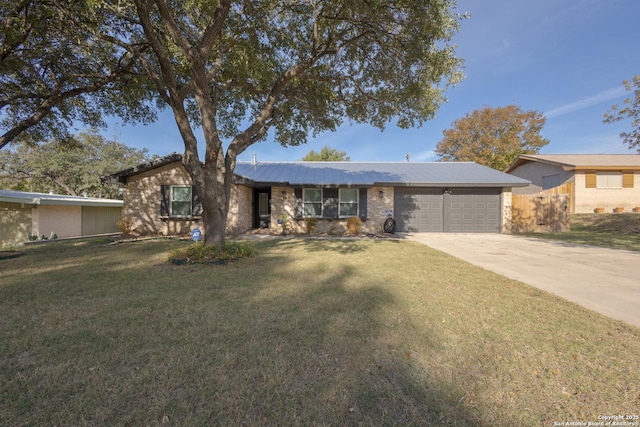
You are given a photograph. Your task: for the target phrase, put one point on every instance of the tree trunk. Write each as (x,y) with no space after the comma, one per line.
(212,182)
(215,207)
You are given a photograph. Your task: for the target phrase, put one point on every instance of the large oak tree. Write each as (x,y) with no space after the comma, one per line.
(55,72)
(239,69)
(493,136)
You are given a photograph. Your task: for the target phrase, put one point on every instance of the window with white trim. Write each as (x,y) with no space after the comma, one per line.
(312,202)
(330,202)
(348,202)
(181,200)
(609,180)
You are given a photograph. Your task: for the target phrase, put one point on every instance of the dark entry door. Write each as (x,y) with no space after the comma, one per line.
(262,208)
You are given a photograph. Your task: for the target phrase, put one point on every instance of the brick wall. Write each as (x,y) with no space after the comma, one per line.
(283,205)
(142,198)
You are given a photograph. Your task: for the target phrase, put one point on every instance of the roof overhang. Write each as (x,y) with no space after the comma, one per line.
(122,175)
(56,200)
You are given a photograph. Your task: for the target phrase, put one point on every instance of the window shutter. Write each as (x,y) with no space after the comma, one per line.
(330,202)
(590,180)
(164,202)
(627,180)
(362,204)
(196,206)
(297,192)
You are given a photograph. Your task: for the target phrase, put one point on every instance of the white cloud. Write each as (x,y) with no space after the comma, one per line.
(604,96)
(423,156)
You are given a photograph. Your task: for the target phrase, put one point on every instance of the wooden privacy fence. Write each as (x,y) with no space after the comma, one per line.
(547,211)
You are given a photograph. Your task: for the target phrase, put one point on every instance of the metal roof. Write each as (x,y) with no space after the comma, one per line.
(54,199)
(447,174)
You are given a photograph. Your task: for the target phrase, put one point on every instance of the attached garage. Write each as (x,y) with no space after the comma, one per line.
(448,210)
(435,197)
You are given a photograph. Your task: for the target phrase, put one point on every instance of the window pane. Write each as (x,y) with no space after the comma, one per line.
(609,180)
(312,195)
(181,208)
(312,209)
(348,202)
(349,195)
(348,209)
(181,194)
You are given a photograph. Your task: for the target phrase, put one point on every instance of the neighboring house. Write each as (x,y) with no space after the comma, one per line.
(599,180)
(436,197)
(23,215)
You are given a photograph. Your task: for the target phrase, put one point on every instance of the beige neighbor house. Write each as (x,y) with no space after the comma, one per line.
(23,215)
(431,197)
(606,181)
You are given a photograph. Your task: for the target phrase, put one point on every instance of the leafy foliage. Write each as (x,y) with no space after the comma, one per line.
(56,71)
(630,110)
(126,225)
(493,137)
(68,168)
(237,69)
(326,154)
(212,254)
(353,225)
(240,70)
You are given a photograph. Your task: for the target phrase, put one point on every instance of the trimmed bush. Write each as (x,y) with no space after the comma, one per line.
(353,225)
(203,254)
(311,225)
(125,225)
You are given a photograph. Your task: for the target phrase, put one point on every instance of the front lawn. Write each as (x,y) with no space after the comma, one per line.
(309,332)
(616,231)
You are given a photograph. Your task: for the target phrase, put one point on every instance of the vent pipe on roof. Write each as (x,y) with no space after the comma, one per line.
(253,160)
(408,157)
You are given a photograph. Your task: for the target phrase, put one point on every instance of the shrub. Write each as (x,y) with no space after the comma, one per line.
(283,220)
(353,226)
(311,224)
(125,225)
(203,254)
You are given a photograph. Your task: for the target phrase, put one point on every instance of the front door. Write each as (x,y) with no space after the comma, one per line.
(262,208)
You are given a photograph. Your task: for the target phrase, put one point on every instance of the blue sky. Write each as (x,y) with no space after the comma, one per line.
(565,58)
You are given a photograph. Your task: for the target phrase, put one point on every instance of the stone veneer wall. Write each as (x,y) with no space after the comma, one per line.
(285,207)
(507,210)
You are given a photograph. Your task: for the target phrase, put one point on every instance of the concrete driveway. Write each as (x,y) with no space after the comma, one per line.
(601,279)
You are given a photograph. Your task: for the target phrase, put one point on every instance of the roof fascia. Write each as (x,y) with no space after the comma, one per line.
(144,167)
(605,168)
(523,158)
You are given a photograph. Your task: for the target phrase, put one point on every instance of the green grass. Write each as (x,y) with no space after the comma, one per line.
(617,231)
(309,332)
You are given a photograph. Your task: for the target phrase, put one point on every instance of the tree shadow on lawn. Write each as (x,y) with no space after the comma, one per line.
(244,344)
(342,245)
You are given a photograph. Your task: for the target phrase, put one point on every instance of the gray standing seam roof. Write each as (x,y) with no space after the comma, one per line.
(450,174)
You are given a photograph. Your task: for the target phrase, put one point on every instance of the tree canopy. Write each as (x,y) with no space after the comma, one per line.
(68,168)
(240,69)
(630,110)
(54,71)
(493,137)
(326,154)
